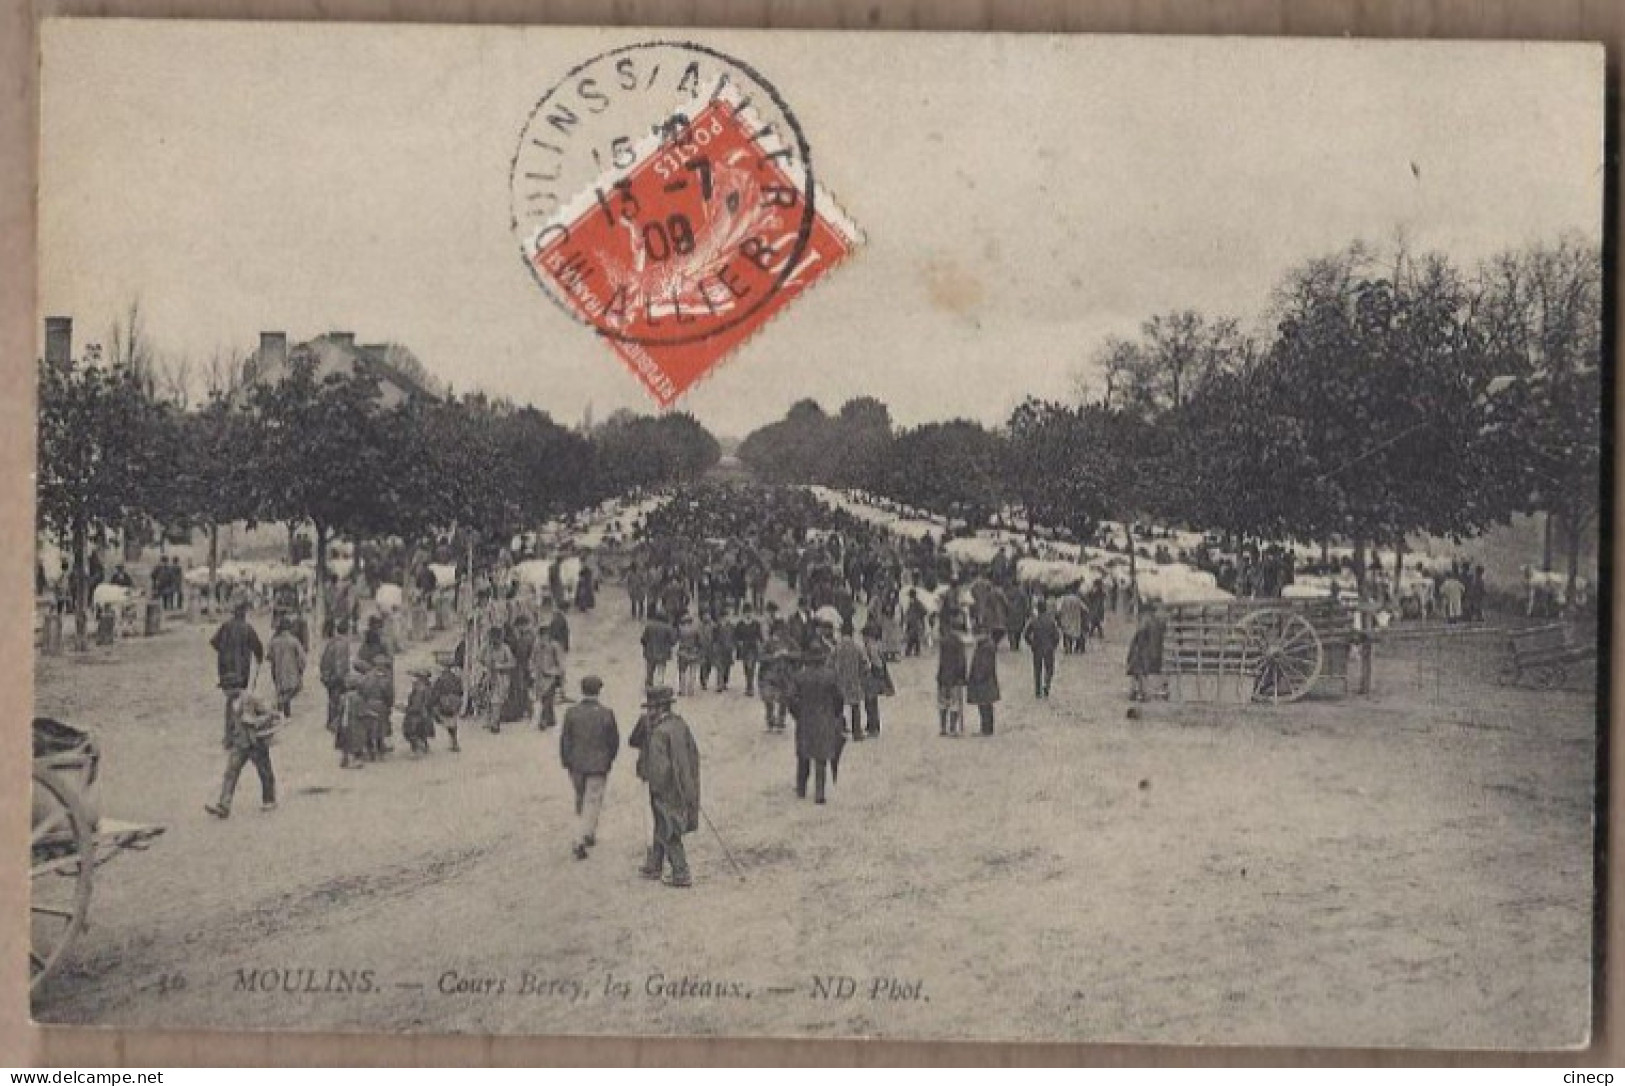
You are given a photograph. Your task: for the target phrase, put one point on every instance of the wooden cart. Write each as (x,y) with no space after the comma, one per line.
(1542,656)
(68,841)
(1271,651)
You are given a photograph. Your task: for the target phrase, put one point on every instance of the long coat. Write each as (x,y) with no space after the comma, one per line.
(951,660)
(671,766)
(1069,614)
(1145,650)
(287,659)
(849,663)
(817,706)
(982,685)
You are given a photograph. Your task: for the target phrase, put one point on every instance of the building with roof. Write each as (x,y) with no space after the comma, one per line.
(399,374)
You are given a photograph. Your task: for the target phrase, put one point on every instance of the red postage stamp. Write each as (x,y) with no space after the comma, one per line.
(708,228)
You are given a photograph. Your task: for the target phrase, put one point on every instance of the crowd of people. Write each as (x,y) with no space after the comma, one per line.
(701,577)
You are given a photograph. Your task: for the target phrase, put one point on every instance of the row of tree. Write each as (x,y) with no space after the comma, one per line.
(115,453)
(1388,396)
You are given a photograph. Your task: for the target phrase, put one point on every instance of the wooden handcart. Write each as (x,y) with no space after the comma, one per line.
(1542,656)
(68,841)
(1272,651)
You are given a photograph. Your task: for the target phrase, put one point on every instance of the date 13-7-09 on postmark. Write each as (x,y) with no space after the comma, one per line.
(664,196)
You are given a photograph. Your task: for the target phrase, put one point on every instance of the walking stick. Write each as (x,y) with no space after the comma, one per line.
(739,870)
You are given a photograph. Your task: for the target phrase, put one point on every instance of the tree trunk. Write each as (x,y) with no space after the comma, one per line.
(1547,544)
(214,568)
(1361,581)
(1573,529)
(1399,569)
(293,552)
(81,592)
(321,575)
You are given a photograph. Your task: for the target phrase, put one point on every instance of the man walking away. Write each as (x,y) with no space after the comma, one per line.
(335,669)
(850,664)
(669,762)
(248,723)
(237,649)
(1043,635)
(658,640)
(816,703)
(748,644)
(913,624)
(588,743)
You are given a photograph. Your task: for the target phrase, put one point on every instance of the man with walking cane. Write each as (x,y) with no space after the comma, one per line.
(669,762)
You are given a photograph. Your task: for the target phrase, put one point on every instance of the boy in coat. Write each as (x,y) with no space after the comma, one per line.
(287,659)
(417,725)
(588,743)
(335,670)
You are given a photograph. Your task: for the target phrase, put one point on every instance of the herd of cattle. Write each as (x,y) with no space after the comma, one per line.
(1161,569)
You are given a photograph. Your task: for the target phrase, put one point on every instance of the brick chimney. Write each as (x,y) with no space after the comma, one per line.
(343,339)
(273,353)
(59,341)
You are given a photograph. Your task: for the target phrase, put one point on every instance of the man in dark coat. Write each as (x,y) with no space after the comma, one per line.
(748,644)
(1019,606)
(588,743)
(669,762)
(237,648)
(982,681)
(815,702)
(659,638)
(1043,636)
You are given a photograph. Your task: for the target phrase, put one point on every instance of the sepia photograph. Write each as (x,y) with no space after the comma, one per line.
(746,533)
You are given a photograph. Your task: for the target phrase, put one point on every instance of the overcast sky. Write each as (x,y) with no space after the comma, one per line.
(1023,197)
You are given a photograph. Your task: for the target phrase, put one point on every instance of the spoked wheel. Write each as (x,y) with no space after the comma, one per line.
(1283,655)
(62,856)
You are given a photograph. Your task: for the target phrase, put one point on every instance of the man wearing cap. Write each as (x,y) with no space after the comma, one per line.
(237,649)
(669,762)
(588,743)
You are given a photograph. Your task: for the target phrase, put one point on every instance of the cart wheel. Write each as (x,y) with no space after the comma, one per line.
(62,855)
(1283,654)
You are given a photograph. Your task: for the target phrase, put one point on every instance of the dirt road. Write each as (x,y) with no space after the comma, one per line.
(1405,870)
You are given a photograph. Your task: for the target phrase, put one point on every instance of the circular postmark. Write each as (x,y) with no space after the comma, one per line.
(663,194)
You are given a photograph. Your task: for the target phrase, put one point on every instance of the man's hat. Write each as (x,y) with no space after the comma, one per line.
(376,622)
(656,696)
(420,673)
(591,685)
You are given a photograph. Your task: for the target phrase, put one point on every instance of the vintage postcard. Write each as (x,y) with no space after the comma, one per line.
(964,536)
